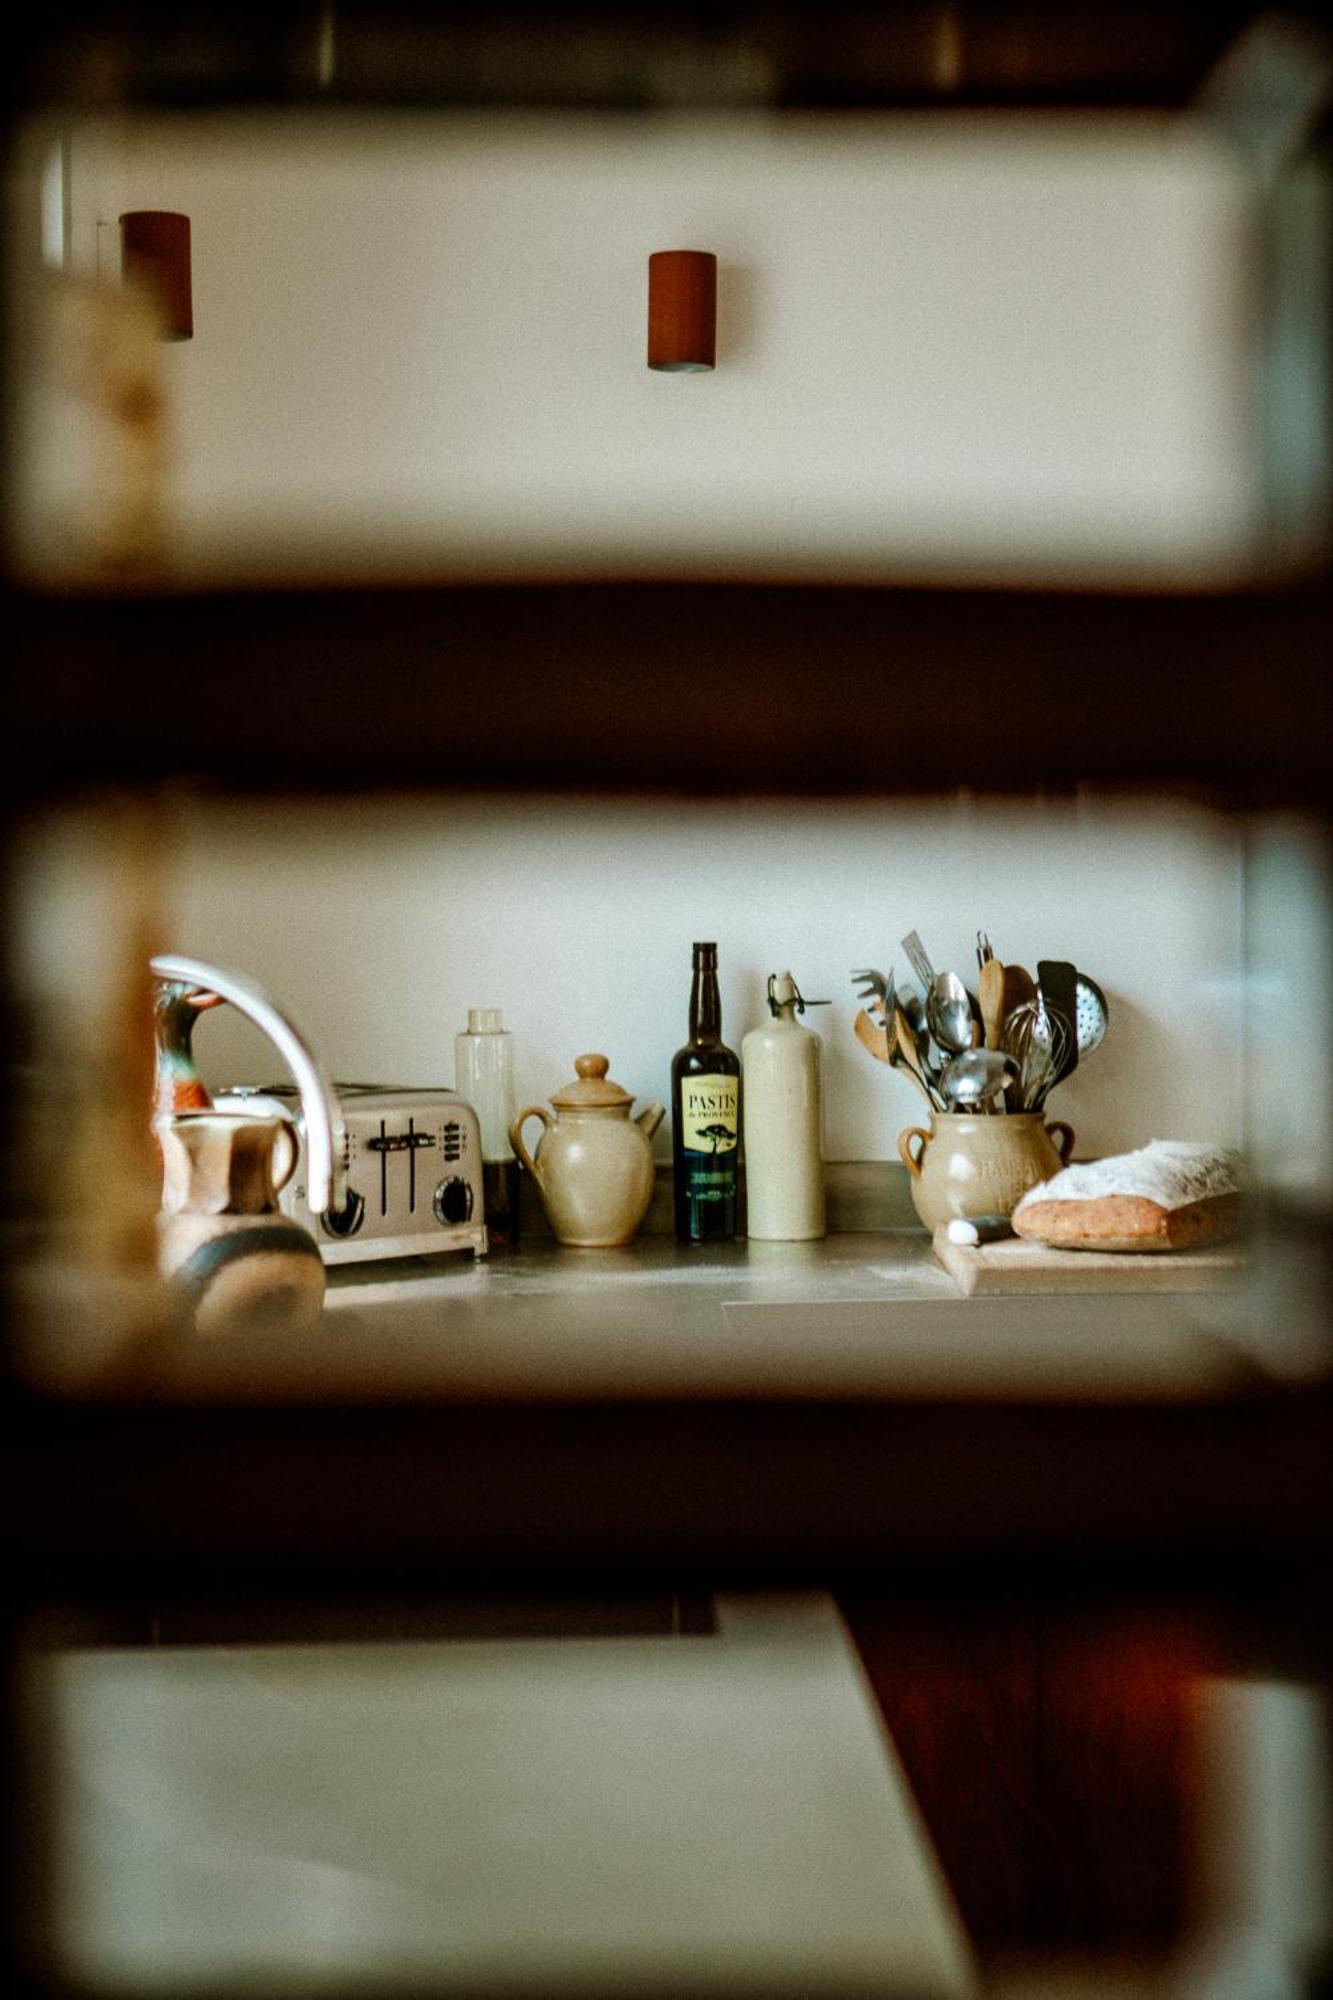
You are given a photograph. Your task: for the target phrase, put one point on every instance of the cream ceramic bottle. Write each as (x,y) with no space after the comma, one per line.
(783,1121)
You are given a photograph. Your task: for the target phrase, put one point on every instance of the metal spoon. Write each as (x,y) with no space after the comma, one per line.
(949,1013)
(976,1077)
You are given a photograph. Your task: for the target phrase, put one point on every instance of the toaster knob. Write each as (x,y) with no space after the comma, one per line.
(345,1221)
(453,1201)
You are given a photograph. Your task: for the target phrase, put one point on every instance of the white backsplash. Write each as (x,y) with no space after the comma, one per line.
(378,923)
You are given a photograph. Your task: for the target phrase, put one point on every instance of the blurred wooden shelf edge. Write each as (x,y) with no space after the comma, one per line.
(812,688)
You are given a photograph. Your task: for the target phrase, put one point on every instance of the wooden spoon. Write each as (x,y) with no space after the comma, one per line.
(991,990)
(873,1037)
(1019,988)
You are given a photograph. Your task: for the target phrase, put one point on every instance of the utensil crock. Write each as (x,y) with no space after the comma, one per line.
(968,1164)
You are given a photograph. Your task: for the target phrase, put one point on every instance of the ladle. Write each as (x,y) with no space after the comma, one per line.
(976,1077)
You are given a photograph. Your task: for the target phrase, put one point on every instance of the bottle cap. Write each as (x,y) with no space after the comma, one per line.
(485,1021)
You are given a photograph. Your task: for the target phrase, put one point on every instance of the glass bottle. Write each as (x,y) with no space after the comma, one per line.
(705,1115)
(484,1078)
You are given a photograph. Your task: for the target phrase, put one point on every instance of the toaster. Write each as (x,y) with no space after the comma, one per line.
(412,1160)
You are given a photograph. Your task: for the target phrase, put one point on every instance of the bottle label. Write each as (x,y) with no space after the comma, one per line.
(709,1108)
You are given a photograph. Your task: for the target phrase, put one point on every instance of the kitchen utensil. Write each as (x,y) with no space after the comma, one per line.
(903,1057)
(920,1050)
(991,985)
(1090,1014)
(888,1044)
(875,983)
(919,961)
(1019,987)
(984,952)
(1037,1038)
(949,1013)
(975,1078)
(907,1057)
(1058,981)
(594,1163)
(873,1035)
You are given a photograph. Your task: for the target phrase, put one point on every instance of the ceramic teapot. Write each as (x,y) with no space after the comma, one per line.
(594,1163)
(222,1239)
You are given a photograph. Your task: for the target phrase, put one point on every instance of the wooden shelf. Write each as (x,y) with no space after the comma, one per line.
(816,689)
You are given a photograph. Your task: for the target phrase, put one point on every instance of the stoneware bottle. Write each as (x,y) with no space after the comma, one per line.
(969,1164)
(783,1122)
(222,1240)
(594,1163)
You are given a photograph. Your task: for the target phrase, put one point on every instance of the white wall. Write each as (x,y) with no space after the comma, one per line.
(964,346)
(379,924)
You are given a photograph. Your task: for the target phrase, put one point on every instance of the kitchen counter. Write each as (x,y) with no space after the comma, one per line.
(870,1316)
(781,1413)
(851,1316)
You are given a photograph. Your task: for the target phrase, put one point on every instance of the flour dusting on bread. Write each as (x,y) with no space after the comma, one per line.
(1173,1173)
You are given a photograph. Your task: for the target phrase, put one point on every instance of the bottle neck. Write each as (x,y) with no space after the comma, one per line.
(705,1006)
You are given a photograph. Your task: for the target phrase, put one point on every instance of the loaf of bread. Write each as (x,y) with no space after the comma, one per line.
(1170,1195)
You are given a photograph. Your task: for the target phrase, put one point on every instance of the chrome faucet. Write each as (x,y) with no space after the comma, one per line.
(325,1129)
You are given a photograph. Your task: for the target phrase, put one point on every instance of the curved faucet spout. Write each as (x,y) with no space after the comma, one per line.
(325,1131)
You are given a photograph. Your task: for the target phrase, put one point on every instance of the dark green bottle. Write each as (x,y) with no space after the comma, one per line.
(705,1115)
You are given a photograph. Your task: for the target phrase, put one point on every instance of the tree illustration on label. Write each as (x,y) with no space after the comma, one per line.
(710,1114)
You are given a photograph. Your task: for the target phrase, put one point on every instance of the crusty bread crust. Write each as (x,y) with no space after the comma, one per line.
(1130,1222)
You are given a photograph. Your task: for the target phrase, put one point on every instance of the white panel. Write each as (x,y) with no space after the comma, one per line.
(378,926)
(979,346)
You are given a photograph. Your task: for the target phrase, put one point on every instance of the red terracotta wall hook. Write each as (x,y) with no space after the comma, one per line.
(155,254)
(682,311)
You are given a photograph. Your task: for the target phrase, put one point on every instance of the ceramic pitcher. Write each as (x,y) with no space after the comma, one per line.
(221,1237)
(594,1163)
(969,1164)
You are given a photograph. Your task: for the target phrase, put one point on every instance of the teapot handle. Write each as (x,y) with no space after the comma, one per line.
(516,1137)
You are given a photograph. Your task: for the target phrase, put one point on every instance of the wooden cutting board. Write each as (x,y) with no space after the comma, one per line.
(1013,1265)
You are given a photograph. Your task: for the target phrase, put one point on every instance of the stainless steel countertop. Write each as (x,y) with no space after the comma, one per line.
(853,1316)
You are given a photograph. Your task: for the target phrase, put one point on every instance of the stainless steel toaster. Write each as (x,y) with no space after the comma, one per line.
(413,1169)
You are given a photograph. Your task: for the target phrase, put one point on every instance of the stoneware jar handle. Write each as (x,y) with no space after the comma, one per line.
(1062,1138)
(286,1152)
(912,1159)
(516,1137)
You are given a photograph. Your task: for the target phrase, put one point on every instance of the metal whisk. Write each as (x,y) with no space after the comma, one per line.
(1039,1038)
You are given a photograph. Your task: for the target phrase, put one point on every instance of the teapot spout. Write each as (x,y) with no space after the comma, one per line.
(650,1118)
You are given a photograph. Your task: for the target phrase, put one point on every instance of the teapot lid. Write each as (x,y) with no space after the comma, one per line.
(594,1090)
